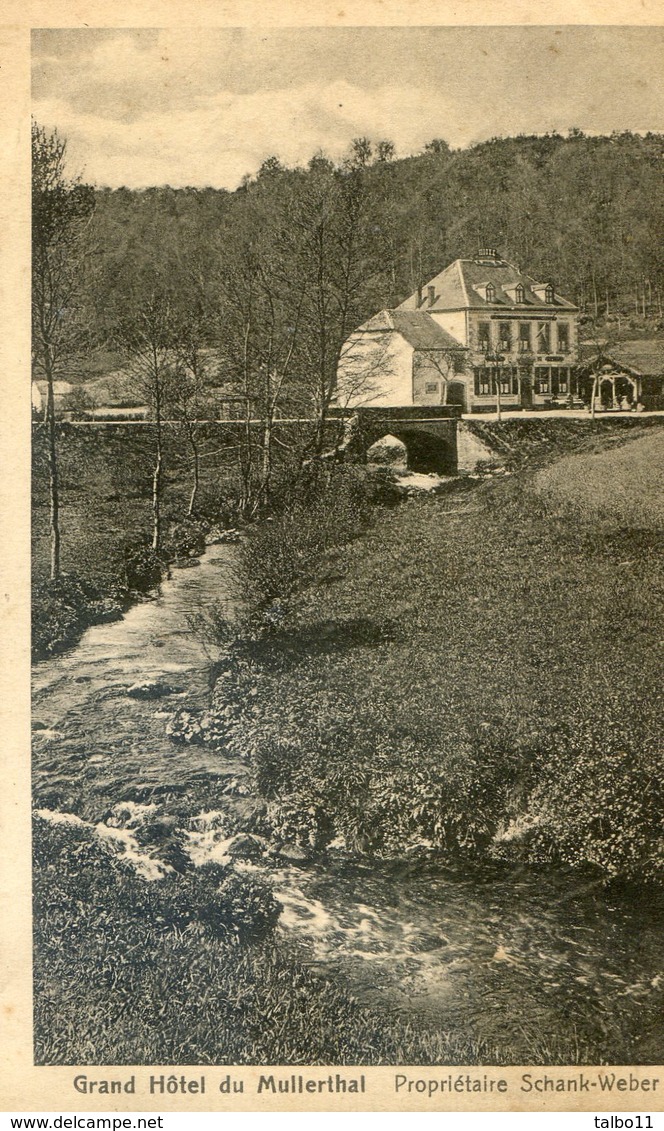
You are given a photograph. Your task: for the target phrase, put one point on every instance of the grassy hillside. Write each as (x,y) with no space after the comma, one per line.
(483,673)
(619,491)
(531,442)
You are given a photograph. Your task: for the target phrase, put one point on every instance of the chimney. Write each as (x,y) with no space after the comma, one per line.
(431,291)
(419,295)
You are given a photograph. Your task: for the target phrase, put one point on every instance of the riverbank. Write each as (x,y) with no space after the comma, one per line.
(157,936)
(428,772)
(188,971)
(105,474)
(481,676)
(63,609)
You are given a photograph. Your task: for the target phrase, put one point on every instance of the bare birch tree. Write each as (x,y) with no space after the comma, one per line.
(333,258)
(147,338)
(260,318)
(191,335)
(61,209)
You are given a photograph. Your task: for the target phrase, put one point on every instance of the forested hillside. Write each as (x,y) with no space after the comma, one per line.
(587,212)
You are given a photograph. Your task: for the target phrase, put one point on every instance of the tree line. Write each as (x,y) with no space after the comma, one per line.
(584,211)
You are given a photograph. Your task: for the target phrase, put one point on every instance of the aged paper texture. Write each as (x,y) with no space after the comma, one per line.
(326,907)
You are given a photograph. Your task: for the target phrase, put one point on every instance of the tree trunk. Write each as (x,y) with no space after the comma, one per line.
(53,487)
(319,435)
(157,473)
(196,467)
(156,498)
(246,449)
(266,468)
(321,417)
(595,298)
(246,460)
(195,486)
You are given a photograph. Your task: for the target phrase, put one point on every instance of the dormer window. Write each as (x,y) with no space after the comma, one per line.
(490,292)
(520,292)
(549,294)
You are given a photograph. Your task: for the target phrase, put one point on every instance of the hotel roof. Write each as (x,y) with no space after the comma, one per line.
(462,286)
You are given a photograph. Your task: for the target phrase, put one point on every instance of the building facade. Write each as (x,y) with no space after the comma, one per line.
(508,340)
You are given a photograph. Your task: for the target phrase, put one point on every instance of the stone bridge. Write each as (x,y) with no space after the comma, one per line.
(435,437)
(428,431)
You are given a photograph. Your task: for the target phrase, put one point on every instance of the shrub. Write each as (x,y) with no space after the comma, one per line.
(143,567)
(232,907)
(328,508)
(186,538)
(247,907)
(331,773)
(600,800)
(384,489)
(60,611)
(219,505)
(214,624)
(227,905)
(303,818)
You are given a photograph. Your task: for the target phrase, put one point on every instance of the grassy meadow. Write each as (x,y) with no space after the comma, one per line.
(483,673)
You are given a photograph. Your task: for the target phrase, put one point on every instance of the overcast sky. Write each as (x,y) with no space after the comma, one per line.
(205,106)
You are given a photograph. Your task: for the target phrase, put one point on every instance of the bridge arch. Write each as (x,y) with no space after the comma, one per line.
(429,433)
(426,450)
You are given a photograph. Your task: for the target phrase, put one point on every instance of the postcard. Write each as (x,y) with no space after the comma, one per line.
(332,768)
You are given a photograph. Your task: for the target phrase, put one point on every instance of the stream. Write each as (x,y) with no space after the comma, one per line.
(511,958)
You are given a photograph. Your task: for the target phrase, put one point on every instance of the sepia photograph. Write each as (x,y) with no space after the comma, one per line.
(347,454)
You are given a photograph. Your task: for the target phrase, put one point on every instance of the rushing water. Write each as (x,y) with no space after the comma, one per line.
(520,960)
(95,743)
